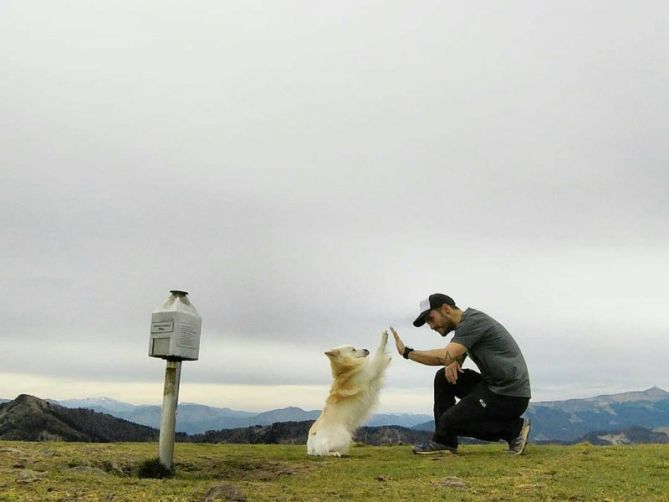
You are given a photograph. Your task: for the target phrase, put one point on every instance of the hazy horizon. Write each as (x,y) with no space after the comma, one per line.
(103,398)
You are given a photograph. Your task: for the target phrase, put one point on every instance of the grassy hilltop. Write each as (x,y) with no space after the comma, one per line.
(207,472)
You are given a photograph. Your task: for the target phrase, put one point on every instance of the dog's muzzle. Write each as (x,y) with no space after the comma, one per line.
(366,352)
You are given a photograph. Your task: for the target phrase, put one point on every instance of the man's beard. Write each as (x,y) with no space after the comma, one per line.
(446,330)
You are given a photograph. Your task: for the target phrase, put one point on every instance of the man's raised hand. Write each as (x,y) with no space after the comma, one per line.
(398,342)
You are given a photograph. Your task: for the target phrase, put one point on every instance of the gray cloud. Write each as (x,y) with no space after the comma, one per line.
(311,172)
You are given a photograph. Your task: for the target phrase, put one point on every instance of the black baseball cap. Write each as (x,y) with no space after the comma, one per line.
(432,302)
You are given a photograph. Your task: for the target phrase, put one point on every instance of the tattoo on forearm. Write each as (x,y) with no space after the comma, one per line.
(447,359)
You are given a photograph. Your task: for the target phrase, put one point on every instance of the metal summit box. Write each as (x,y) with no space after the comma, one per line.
(175,329)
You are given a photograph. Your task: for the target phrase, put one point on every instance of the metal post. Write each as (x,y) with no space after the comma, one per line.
(168,416)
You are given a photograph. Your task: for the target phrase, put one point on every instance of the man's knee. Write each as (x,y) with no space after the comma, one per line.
(453,421)
(441,383)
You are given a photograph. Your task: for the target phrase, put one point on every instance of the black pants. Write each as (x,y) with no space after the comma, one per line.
(480,413)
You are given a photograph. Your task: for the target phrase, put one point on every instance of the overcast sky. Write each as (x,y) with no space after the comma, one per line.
(311,170)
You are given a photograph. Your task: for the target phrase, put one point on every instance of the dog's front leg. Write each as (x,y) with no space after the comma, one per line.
(381,359)
(382,343)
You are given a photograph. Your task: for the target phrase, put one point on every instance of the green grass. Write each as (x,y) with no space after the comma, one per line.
(109,472)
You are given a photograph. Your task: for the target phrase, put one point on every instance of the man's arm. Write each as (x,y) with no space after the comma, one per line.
(428,357)
(440,357)
(435,357)
(453,363)
(455,352)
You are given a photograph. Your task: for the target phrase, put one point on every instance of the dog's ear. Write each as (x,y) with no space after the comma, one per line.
(332,353)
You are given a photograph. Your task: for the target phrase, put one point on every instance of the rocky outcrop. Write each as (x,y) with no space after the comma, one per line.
(632,435)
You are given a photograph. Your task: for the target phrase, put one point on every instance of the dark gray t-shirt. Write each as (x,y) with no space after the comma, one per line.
(495,352)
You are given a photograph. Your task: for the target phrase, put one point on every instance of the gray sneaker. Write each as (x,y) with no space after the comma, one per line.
(517,446)
(432,447)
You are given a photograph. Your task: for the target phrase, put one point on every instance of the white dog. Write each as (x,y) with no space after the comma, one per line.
(353,395)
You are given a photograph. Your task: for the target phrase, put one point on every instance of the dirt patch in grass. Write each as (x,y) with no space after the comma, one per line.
(223,492)
(253,470)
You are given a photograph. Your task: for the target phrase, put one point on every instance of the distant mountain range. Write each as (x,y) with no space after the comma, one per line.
(28,418)
(570,420)
(296,433)
(197,418)
(552,421)
(574,418)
